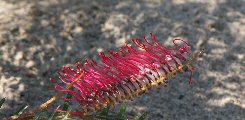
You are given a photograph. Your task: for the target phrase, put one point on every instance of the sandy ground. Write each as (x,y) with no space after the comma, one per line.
(38,37)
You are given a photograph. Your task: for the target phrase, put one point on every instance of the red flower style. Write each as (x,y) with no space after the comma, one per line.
(124,74)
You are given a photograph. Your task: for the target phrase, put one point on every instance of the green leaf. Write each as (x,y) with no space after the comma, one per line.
(52,116)
(2,101)
(105,111)
(66,116)
(122,111)
(66,104)
(106,117)
(123,108)
(37,117)
(21,110)
(143,116)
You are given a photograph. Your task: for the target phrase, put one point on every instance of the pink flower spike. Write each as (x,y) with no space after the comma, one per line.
(125,74)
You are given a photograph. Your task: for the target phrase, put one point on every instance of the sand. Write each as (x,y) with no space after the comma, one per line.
(38,37)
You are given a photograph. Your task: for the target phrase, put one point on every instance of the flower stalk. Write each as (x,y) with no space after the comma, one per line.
(30,114)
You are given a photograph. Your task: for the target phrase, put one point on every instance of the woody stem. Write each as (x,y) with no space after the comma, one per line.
(45,105)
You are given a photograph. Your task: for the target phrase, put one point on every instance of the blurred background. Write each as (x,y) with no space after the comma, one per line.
(37,37)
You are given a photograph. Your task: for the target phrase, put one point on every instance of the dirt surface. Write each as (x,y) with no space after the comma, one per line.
(38,37)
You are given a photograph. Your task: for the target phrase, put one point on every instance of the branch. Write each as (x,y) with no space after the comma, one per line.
(51,101)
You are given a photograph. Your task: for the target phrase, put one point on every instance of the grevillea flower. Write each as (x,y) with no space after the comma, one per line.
(124,74)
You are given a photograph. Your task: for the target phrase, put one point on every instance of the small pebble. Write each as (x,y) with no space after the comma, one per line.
(30,64)
(21,87)
(240,56)
(19,55)
(78,29)
(44,23)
